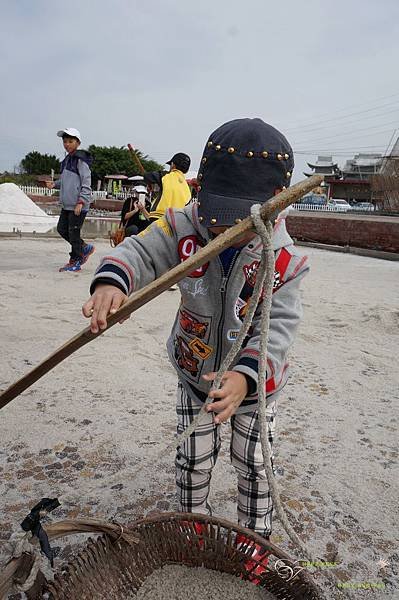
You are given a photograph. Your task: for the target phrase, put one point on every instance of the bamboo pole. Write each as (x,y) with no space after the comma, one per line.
(135,158)
(163,283)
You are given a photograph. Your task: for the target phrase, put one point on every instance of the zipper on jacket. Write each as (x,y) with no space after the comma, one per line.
(223,286)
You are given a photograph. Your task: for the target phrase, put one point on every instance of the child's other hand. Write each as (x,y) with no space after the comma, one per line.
(229,397)
(105,300)
(78,209)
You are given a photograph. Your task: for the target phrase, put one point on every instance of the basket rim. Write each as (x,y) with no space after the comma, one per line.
(183,516)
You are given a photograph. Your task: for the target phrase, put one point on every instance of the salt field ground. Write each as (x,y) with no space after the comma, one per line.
(88,431)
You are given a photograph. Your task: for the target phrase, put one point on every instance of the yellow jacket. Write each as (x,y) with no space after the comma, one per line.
(175,193)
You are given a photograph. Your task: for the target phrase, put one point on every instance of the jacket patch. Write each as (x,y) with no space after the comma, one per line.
(239,308)
(191,325)
(250,272)
(187,247)
(200,348)
(184,356)
(232,334)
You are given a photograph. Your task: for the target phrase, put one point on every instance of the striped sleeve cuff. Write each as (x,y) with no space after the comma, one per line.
(248,366)
(117,271)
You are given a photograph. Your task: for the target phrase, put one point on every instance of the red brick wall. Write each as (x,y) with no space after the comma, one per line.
(377,233)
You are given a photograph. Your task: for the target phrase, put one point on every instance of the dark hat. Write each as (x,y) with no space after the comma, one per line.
(181,161)
(245,162)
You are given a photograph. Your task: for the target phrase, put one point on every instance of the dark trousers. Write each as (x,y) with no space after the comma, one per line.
(69,226)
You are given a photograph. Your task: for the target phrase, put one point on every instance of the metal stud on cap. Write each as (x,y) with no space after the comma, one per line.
(210,144)
(199,176)
(238,221)
(288,174)
(218,147)
(286,156)
(265,154)
(200,219)
(279,156)
(204,160)
(231,150)
(250,154)
(213,221)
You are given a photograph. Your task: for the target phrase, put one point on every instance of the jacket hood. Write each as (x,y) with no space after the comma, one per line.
(85,156)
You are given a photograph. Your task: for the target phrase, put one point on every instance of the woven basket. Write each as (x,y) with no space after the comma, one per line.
(109,570)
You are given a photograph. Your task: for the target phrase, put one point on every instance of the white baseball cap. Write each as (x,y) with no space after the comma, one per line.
(70,131)
(140,189)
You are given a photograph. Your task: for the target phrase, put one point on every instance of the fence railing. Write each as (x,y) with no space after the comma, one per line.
(320,207)
(35,190)
(41,191)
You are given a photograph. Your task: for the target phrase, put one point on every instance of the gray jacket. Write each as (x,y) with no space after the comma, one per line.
(213,305)
(75,181)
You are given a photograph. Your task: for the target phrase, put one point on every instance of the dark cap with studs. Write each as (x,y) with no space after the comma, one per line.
(245,162)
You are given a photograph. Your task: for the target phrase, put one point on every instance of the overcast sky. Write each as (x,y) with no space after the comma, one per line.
(163,74)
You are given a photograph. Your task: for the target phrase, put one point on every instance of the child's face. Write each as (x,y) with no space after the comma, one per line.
(70,144)
(243,240)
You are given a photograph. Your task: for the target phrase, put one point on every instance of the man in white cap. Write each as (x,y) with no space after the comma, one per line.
(75,194)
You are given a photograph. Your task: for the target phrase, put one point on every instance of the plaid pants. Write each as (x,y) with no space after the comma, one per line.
(196,458)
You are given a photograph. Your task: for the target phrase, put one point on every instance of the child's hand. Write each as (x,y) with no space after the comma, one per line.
(78,209)
(105,300)
(229,397)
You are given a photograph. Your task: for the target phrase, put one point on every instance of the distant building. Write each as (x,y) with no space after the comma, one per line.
(362,166)
(385,184)
(324,166)
(352,182)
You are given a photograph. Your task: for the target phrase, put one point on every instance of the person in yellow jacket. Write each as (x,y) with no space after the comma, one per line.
(175,192)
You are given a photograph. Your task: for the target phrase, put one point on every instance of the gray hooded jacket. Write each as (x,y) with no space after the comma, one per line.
(213,304)
(75,181)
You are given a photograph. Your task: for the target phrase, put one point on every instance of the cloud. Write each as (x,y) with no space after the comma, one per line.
(163,74)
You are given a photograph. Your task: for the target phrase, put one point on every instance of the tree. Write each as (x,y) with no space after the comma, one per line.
(112,160)
(36,163)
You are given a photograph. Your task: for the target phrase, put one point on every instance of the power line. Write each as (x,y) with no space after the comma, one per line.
(352,133)
(394,110)
(321,116)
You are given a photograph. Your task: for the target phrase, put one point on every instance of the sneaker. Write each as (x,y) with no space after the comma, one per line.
(75,266)
(67,265)
(88,250)
(256,565)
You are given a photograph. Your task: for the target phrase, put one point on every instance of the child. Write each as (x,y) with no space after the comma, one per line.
(75,193)
(174,191)
(245,161)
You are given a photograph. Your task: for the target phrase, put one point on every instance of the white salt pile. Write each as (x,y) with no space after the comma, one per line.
(177,582)
(18,210)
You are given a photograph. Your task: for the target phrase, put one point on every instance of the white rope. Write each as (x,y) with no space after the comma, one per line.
(266,273)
